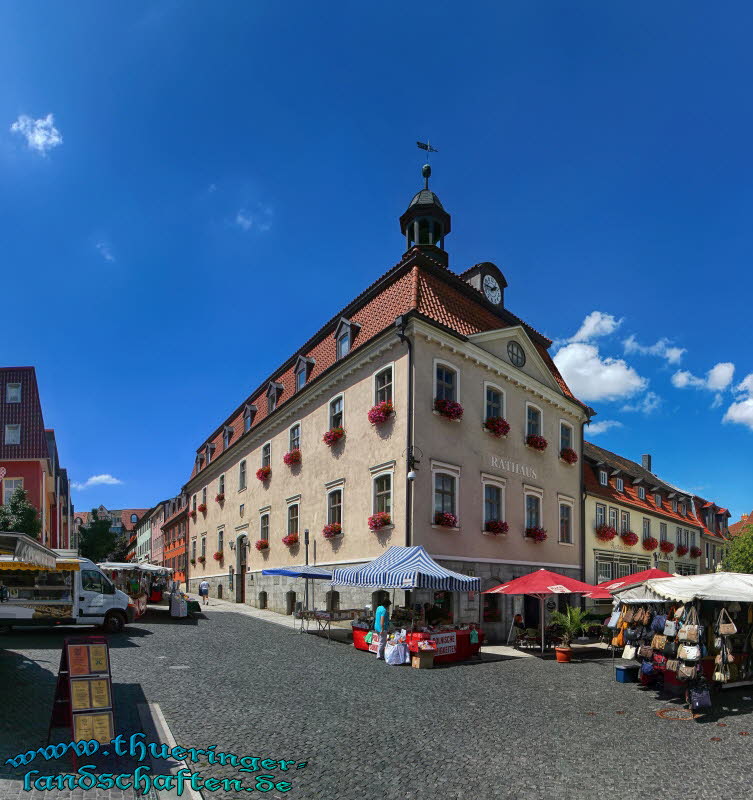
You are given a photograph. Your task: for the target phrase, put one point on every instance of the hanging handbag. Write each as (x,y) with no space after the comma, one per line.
(691,630)
(644,651)
(628,614)
(659,659)
(721,674)
(670,648)
(672,665)
(658,623)
(631,635)
(689,652)
(670,628)
(629,651)
(700,697)
(647,668)
(686,671)
(679,613)
(725,625)
(619,639)
(658,642)
(614,619)
(726,658)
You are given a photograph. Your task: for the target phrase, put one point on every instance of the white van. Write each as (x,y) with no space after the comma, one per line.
(76,592)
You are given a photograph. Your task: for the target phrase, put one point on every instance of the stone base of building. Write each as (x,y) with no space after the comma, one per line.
(493,612)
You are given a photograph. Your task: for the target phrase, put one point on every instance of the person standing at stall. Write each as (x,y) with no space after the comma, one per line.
(381,623)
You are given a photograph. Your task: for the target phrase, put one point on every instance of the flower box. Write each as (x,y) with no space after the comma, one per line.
(666,547)
(332,530)
(536,442)
(682,550)
(695,551)
(605,533)
(448,408)
(220,498)
(193,514)
(536,533)
(445,520)
(379,520)
(293,457)
(202,508)
(218,556)
(650,544)
(629,538)
(496,526)
(193,562)
(497,426)
(263,473)
(201,559)
(261,544)
(568,455)
(333,436)
(381,412)
(290,539)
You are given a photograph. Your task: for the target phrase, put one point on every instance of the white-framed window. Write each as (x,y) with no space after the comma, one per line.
(336,412)
(193,504)
(692,538)
(642,492)
(12,434)
(493,498)
(193,549)
(565,521)
(613,517)
(494,401)
(300,376)
(647,528)
(293,513)
(203,546)
(446,381)
(220,539)
(446,480)
(624,521)
(221,485)
(604,571)
(10,485)
(674,506)
(566,436)
(204,495)
(264,526)
(382,489)
(227,435)
(12,392)
(601,514)
(533,509)
(383,385)
(603,478)
(657,500)
(266,455)
(533,420)
(619,485)
(335,507)
(343,342)
(662,532)
(295,436)
(242,475)
(682,509)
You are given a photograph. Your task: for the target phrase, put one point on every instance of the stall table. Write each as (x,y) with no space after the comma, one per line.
(451,645)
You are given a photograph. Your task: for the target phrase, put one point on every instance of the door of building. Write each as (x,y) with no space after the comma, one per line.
(241,576)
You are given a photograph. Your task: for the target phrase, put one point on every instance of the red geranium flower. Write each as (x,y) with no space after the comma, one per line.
(650,544)
(332,530)
(448,408)
(536,533)
(201,559)
(605,533)
(445,520)
(261,544)
(220,497)
(496,526)
(290,539)
(695,551)
(379,520)
(666,547)
(569,455)
(498,426)
(536,442)
(333,436)
(629,538)
(263,473)
(293,457)
(202,507)
(682,550)
(193,514)
(381,412)
(218,556)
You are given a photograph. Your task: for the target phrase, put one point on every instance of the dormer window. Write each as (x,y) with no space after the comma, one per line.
(209,452)
(674,506)
(302,371)
(682,509)
(620,485)
(345,332)
(227,435)
(249,412)
(274,390)
(603,477)
(199,462)
(642,492)
(657,500)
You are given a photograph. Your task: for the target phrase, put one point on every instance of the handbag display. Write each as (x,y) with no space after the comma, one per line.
(670,628)
(659,659)
(686,671)
(658,642)
(700,698)
(631,635)
(721,674)
(647,668)
(658,623)
(628,614)
(725,625)
(679,613)
(619,639)
(691,631)
(689,652)
(644,651)
(670,648)
(613,620)
(629,651)
(672,665)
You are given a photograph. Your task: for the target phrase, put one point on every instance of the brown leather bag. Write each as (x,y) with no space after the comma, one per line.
(726,626)
(672,665)
(659,641)
(628,614)
(644,651)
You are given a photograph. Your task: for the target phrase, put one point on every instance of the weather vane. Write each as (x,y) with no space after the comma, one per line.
(426,169)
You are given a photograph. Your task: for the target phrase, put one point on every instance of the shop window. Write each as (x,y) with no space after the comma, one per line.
(533,420)
(383,494)
(445,383)
(383,386)
(295,437)
(241,478)
(604,571)
(336,416)
(445,488)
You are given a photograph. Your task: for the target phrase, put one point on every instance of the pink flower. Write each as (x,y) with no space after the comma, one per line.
(496,526)
(629,538)
(261,544)
(569,455)
(379,520)
(445,520)
(536,533)
(263,473)
(448,408)
(293,457)
(498,426)
(332,530)
(333,436)
(381,412)
(650,544)
(290,539)
(605,533)
(536,442)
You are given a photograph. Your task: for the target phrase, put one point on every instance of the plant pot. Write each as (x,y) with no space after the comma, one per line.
(564,654)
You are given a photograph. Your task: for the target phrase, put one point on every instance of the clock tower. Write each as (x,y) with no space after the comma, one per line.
(425,223)
(488,279)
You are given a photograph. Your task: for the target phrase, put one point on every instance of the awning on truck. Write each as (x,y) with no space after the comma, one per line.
(19,551)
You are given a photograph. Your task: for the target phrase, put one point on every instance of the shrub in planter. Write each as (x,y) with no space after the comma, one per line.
(381,412)
(379,520)
(202,508)
(220,498)
(445,520)
(201,559)
(682,550)
(261,544)
(605,533)
(332,530)
(293,457)
(536,533)
(218,556)
(695,551)
(666,547)
(569,455)
(193,562)
(496,526)
(448,408)
(536,442)
(629,538)
(290,539)
(498,426)
(650,544)
(333,436)
(263,473)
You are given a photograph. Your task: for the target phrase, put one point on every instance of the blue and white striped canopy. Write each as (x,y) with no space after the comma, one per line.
(405,568)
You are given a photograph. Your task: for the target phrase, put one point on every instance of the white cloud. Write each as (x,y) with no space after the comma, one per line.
(104,251)
(40,134)
(717,379)
(98,480)
(597,323)
(662,348)
(682,379)
(260,220)
(594,378)
(741,412)
(746,385)
(595,428)
(646,404)
(718,400)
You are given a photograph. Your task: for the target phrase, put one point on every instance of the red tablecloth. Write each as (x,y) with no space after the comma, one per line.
(452,645)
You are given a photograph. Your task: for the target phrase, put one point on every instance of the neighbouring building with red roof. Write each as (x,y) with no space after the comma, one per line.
(715,531)
(423,413)
(743,522)
(29,456)
(174,542)
(123,521)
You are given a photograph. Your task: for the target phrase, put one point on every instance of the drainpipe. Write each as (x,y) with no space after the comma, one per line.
(401,323)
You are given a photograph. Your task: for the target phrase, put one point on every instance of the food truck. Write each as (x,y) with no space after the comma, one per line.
(43,588)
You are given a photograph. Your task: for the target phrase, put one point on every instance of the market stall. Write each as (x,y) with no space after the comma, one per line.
(137,581)
(411,568)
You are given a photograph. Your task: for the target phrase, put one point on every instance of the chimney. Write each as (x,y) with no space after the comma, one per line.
(646,462)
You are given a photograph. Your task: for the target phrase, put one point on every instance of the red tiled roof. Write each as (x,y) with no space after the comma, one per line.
(737,527)
(27,413)
(704,504)
(125,517)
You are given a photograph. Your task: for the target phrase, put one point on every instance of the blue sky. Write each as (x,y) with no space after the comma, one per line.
(216,180)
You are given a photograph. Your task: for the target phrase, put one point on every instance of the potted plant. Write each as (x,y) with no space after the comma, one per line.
(568,455)
(290,539)
(571,623)
(536,533)
(293,457)
(379,520)
(193,562)
(263,473)
(332,530)
(682,550)
(381,412)
(220,497)
(536,442)
(650,544)
(629,538)
(261,544)
(496,526)
(666,547)
(449,409)
(201,559)
(497,426)
(333,436)
(218,556)
(203,508)
(445,520)
(605,533)
(695,551)
(193,514)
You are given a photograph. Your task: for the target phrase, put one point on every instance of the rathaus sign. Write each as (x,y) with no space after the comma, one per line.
(498,462)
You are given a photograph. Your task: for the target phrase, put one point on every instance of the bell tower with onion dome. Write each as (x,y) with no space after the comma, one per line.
(425,223)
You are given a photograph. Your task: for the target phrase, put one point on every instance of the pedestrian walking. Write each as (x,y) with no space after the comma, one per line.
(204,591)
(381,624)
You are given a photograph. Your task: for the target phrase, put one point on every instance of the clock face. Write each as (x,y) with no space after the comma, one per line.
(492,290)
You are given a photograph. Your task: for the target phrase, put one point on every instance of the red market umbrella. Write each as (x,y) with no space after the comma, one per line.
(598,594)
(541,584)
(631,580)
